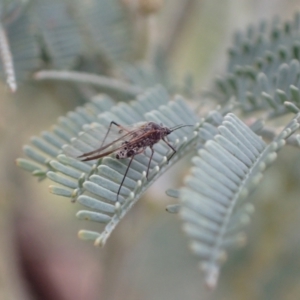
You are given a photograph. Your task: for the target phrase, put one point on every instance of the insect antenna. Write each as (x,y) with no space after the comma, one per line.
(179,126)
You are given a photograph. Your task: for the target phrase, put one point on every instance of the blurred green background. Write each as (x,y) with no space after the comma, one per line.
(147,257)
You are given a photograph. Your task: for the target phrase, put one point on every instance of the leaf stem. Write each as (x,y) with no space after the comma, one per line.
(93,79)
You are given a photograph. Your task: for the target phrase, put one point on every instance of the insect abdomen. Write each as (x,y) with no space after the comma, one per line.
(123,153)
(130,153)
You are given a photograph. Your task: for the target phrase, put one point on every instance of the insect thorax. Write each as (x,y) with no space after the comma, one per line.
(138,145)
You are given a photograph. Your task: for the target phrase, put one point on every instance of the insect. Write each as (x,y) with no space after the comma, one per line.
(133,142)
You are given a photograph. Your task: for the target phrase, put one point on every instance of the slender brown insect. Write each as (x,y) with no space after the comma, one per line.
(133,142)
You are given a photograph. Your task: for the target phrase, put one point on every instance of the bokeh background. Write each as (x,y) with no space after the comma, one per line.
(147,257)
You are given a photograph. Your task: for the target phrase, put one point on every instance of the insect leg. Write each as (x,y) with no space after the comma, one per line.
(174,151)
(124,177)
(111,123)
(149,162)
(88,156)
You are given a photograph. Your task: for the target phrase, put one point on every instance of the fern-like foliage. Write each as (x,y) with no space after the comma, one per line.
(146,74)
(263,74)
(99,188)
(214,204)
(259,91)
(263,68)
(47,146)
(22,48)
(106,28)
(9,10)
(65,34)
(95,184)
(56,32)
(268,41)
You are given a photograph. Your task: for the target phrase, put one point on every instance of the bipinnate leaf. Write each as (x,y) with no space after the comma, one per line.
(49,144)
(263,69)
(214,206)
(98,185)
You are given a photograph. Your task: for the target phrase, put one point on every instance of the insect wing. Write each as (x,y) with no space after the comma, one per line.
(98,153)
(115,139)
